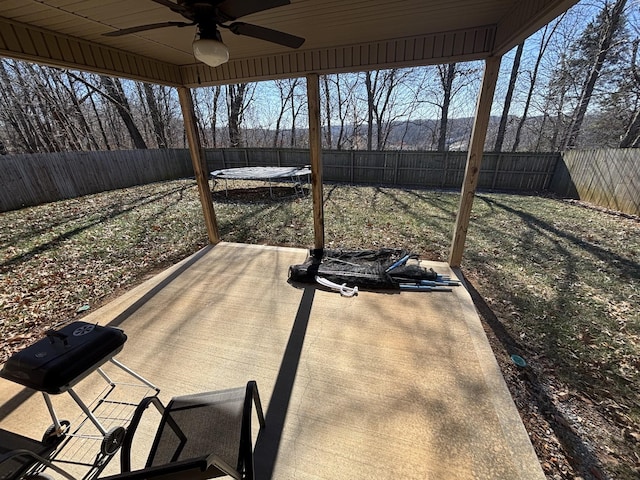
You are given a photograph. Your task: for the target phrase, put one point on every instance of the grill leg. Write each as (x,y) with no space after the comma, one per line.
(87,412)
(134,374)
(52,412)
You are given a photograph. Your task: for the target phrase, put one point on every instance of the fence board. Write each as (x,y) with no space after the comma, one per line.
(40,178)
(609,178)
(34,179)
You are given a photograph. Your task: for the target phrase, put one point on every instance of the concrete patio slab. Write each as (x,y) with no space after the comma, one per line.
(379,386)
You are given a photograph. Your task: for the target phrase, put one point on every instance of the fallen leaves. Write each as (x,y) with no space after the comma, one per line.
(64,257)
(562,279)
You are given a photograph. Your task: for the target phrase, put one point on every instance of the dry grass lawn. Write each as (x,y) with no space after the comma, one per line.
(555,282)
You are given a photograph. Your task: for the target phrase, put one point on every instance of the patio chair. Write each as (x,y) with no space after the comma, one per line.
(20,454)
(200,436)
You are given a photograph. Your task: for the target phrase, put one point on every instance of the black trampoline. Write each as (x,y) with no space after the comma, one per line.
(298,176)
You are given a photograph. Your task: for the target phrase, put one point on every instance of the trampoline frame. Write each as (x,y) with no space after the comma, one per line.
(298,176)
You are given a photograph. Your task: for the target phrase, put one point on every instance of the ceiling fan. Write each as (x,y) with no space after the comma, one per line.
(211,15)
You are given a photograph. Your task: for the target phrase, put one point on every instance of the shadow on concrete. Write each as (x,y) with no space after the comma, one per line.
(268,442)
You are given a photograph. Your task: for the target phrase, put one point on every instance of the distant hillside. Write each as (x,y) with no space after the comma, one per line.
(420,134)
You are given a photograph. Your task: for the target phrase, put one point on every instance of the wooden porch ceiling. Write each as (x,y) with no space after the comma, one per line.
(341,35)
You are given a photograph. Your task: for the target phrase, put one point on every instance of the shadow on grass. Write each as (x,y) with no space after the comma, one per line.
(582,458)
(628,268)
(555,259)
(259,194)
(116,212)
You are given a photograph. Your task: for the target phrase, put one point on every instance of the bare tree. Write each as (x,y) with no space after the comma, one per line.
(631,137)
(342,105)
(159,128)
(78,96)
(452,79)
(507,101)
(546,36)
(116,94)
(21,125)
(384,103)
(238,98)
(217,90)
(326,91)
(447,75)
(604,29)
(287,97)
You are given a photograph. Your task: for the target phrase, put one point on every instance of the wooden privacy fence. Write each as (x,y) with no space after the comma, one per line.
(28,180)
(500,171)
(608,178)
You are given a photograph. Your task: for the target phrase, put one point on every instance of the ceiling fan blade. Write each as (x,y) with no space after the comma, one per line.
(142,28)
(173,6)
(274,36)
(232,9)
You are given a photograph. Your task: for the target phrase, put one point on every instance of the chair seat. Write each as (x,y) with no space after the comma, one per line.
(193,469)
(13,463)
(200,436)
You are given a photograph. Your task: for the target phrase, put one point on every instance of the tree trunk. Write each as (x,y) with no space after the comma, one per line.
(235,106)
(342,114)
(632,133)
(594,73)
(81,117)
(447,74)
(285,92)
(502,128)
(217,90)
(18,117)
(544,42)
(103,132)
(294,113)
(119,99)
(327,100)
(156,119)
(370,106)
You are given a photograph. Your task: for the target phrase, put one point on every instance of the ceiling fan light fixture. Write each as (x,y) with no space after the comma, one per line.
(210,51)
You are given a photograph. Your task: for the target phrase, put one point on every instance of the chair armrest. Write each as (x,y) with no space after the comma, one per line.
(35,458)
(252,389)
(125,450)
(194,469)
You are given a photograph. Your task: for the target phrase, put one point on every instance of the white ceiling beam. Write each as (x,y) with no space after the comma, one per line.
(25,42)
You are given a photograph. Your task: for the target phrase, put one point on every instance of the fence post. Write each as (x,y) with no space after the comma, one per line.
(353,161)
(395,173)
(445,162)
(495,172)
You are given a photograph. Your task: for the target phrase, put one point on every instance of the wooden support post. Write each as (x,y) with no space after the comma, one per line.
(199,164)
(474,159)
(315,151)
